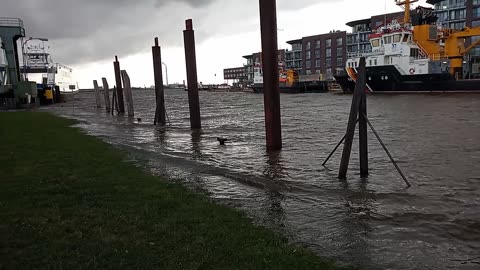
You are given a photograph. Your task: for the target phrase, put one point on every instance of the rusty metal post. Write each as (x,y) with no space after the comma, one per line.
(128,93)
(159,91)
(363,137)
(106,95)
(268,26)
(191,65)
(357,96)
(118,81)
(98,103)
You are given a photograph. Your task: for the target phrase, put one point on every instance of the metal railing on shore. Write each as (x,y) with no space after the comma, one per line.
(7,21)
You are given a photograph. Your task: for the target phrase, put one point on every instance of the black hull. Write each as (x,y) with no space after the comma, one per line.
(298,88)
(388,79)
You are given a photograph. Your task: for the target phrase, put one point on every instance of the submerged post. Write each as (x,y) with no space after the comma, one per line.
(106,95)
(191,65)
(357,96)
(118,81)
(98,103)
(159,91)
(128,92)
(268,26)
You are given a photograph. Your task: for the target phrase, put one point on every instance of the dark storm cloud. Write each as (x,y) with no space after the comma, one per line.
(93,30)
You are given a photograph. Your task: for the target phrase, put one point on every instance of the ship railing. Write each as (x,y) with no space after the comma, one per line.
(364,53)
(7,21)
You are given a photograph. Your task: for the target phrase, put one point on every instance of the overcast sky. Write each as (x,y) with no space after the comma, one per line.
(87,34)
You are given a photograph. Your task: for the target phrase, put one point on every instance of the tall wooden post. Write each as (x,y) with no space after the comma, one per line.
(357,96)
(98,103)
(118,81)
(191,65)
(106,95)
(363,137)
(128,92)
(268,26)
(159,91)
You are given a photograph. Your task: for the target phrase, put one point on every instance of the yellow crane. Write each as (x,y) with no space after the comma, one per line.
(453,40)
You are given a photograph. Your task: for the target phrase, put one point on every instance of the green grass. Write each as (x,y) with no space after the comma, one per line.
(69,201)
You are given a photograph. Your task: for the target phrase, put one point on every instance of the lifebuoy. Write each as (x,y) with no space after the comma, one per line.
(412,71)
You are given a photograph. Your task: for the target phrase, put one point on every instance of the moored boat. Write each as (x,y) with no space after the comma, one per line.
(414,55)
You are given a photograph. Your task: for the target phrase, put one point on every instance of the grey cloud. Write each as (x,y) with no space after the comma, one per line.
(94,30)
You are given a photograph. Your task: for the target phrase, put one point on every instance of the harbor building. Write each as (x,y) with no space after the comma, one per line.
(318,55)
(238,75)
(458,14)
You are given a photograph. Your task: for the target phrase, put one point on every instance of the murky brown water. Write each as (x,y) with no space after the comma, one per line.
(435,139)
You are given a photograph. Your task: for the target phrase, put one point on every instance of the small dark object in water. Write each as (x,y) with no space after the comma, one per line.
(139,119)
(222,140)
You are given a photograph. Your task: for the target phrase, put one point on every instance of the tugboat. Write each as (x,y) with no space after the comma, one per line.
(288,82)
(414,55)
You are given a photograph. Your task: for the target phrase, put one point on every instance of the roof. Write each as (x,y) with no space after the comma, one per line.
(295,41)
(357,22)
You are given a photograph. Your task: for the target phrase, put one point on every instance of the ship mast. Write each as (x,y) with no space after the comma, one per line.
(405,4)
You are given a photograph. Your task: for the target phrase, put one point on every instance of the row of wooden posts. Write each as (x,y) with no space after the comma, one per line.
(268,26)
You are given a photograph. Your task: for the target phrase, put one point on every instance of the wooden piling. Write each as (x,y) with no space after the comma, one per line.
(128,93)
(98,103)
(159,91)
(268,26)
(191,66)
(363,137)
(106,95)
(357,98)
(118,81)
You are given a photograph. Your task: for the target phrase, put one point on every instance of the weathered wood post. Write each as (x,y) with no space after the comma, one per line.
(363,137)
(97,94)
(159,91)
(191,65)
(106,95)
(128,93)
(357,98)
(268,26)
(118,81)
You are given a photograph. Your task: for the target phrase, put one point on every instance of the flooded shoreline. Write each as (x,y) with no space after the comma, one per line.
(375,223)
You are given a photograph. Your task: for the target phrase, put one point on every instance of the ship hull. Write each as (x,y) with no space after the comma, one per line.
(297,88)
(388,79)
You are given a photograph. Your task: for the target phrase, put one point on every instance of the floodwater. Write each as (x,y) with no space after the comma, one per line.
(374,223)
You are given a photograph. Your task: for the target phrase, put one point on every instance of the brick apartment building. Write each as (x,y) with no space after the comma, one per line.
(319,54)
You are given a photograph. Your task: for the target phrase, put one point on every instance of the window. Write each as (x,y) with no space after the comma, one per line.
(475,23)
(375,42)
(317,44)
(328,52)
(317,53)
(328,62)
(317,63)
(340,62)
(328,43)
(396,38)
(405,38)
(307,46)
(308,64)
(308,55)
(387,39)
(308,72)
(318,71)
(476,2)
(339,41)
(476,12)
(339,51)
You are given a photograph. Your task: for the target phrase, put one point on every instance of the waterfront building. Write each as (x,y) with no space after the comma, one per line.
(318,55)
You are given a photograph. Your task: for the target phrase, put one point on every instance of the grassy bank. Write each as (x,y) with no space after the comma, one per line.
(67,200)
